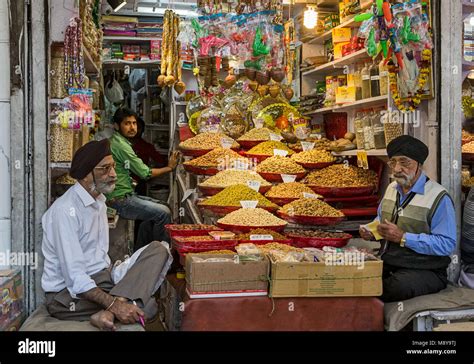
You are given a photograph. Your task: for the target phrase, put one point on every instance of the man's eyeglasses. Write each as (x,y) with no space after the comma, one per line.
(404,163)
(106,169)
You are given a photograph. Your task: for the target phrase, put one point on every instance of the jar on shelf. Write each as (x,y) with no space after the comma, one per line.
(368,132)
(365,76)
(392,131)
(94,85)
(62,141)
(383,72)
(377,127)
(359,130)
(57,90)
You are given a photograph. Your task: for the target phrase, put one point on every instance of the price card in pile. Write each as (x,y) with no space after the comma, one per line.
(282,153)
(254,185)
(226,143)
(275,137)
(287,178)
(362,160)
(310,195)
(259,123)
(246,204)
(307,146)
(261,237)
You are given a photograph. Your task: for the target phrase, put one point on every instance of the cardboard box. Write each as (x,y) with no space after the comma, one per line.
(217,278)
(341,35)
(11,297)
(346,94)
(322,280)
(338,49)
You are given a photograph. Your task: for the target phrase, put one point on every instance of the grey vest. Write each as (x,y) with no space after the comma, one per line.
(414,218)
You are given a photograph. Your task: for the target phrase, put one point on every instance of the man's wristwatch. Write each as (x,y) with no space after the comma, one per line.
(403,240)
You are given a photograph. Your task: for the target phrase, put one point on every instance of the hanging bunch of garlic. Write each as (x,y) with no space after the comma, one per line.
(170,54)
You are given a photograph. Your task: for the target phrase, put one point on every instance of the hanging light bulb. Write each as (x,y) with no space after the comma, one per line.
(310,17)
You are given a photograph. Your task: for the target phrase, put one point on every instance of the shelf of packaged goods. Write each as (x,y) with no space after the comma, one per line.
(108,62)
(351,23)
(89,64)
(129,39)
(60,165)
(370,102)
(370,152)
(195,215)
(336,65)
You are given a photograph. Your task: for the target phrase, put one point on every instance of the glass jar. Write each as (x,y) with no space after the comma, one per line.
(368,132)
(359,131)
(379,133)
(365,76)
(383,72)
(374,80)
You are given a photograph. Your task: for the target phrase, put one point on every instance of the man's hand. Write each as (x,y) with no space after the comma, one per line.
(365,234)
(390,231)
(174,159)
(126,313)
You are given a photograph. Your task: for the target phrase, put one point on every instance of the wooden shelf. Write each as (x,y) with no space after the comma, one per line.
(131,63)
(129,39)
(60,165)
(335,66)
(370,152)
(371,102)
(351,23)
(89,64)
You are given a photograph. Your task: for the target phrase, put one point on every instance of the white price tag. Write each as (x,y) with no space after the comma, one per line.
(254,185)
(275,137)
(226,143)
(259,123)
(309,195)
(188,193)
(307,146)
(280,152)
(287,178)
(248,204)
(261,237)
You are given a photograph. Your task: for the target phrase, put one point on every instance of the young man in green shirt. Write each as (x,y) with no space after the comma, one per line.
(129,205)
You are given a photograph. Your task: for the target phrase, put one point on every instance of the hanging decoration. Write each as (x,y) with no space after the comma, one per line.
(74,73)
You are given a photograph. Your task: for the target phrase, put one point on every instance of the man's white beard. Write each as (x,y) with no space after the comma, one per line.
(103,188)
(405,182)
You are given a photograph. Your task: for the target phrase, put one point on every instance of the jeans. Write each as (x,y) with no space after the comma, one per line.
(154,215)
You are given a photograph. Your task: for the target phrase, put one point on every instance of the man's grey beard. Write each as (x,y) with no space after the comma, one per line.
(405,181)
(102,187)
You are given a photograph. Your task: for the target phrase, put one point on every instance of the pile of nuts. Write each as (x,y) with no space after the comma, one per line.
(207,141)
(310,207)
(266,248)
(65,179)
(468,147)
(341,175)
(319,144)
(252,217)
(231,177)
(194,227)
(217,252)
(267,148)
(289,190)
(216,157)
(281,165)
(232,195)
(313,156)
(317,234)
(257,134)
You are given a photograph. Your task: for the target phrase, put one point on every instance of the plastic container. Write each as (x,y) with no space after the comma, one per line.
(359,130)
(365,76)
(374,80)
(384,80)
(378,130)
(368,132)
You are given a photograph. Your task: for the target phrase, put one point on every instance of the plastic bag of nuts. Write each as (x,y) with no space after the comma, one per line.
(62,141)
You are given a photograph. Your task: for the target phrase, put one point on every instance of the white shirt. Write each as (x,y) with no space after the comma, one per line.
(75,241)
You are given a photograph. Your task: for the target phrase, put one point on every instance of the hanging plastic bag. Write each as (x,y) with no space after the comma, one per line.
(114,92)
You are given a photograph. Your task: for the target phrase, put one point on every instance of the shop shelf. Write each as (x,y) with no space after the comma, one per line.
(131,63)
(364,103)
(335,66)
(129,39)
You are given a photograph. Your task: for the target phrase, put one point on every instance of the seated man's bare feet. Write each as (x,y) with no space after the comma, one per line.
(104,320)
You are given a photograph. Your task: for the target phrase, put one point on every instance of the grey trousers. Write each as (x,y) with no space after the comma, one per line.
(138,284)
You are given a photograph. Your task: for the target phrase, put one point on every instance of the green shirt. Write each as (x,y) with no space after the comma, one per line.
(127,161)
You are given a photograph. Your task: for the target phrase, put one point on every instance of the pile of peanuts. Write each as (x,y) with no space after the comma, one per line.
(207,141)
(252,217)
(215,157)
(468,147)
(313,156)
(340,175)
(267,148)
(232,195)
(310,207)
(257,134)
(231,177)
(279,164)
(289,190)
